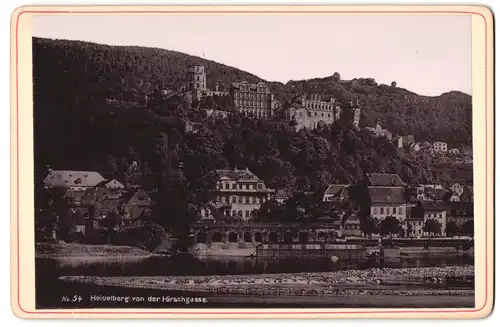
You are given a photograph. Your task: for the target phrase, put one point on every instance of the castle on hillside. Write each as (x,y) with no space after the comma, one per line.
(312,110)
(254,99)
(198,83)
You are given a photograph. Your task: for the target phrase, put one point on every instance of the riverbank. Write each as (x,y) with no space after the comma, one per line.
(386,281)
(216,250)
(87,251)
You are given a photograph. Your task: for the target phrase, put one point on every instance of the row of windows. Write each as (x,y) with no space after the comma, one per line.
(241,213)
(241,199)
(254,103)
(250,95)
(434,215)
(388,210)
(198,79)
(240,186)
(318,106)
(258,113)
(233,213)
(323,115)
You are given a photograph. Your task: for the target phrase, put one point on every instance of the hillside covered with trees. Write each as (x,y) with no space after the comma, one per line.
(90,113)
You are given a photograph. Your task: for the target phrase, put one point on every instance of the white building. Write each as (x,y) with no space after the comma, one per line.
(238,194)
(440,147)
(437,213)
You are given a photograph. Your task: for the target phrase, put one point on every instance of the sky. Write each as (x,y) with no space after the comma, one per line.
(428,55)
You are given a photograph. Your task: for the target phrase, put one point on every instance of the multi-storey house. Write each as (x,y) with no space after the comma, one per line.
(352,226)
(386,195)
(437,213)
(237,193)
(415,224)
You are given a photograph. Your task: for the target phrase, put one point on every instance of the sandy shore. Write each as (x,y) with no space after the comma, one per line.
(401,282)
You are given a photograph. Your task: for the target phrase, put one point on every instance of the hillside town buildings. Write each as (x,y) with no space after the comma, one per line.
(95,203)
(380,132)
(405,141)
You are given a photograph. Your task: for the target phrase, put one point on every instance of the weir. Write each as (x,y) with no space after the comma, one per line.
(310,251)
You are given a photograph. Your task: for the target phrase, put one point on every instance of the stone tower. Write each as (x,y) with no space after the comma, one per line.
(197,77)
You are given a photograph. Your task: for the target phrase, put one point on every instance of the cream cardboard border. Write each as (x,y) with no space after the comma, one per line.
(22,243)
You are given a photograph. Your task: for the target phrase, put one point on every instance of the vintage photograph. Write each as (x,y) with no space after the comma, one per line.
(253,161)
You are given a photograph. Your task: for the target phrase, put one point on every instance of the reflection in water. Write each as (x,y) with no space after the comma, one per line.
(187,265)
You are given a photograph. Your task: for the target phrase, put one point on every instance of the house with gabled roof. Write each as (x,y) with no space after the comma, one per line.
(110,183)
(72,179)
(336,193)
(384,179)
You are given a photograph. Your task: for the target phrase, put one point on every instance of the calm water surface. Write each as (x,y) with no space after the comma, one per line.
(50,290)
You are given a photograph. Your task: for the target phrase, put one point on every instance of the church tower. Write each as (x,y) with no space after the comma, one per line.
(197,77)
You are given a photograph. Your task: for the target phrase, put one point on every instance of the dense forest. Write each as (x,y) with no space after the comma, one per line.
(90,113)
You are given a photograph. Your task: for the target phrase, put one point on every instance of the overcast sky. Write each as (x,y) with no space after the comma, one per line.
(428,55)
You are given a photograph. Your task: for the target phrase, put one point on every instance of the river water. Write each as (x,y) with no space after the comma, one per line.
(50,290)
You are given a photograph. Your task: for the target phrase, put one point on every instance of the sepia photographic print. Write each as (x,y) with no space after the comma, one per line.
(233,160)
